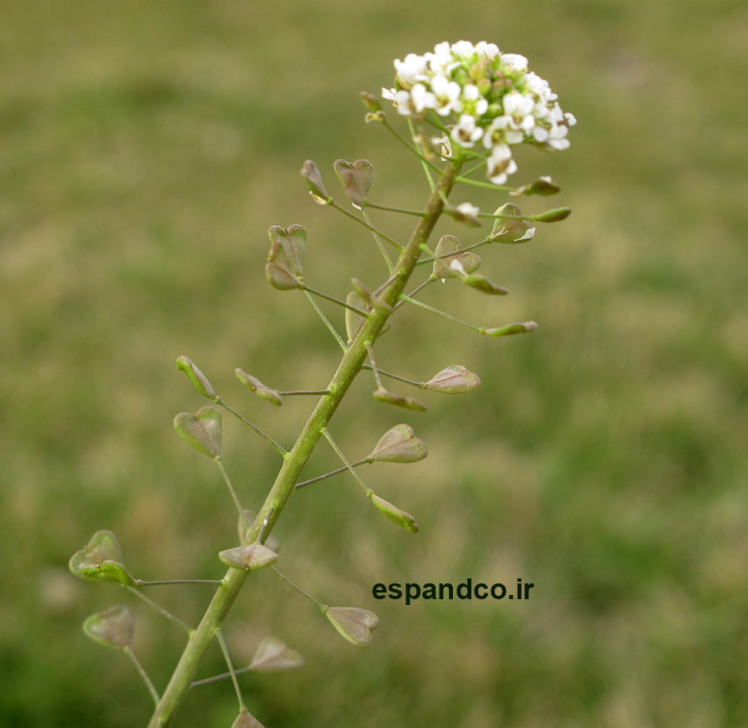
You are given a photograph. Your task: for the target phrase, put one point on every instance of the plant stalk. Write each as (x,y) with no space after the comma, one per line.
(350,365)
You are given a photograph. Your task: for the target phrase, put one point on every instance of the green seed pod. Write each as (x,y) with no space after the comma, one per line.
(560,213)
(411,403)
(395,514)
(288,243)
(454,379)
(202,385)
(450,262)
(482,284)
(246,720)
(113,627)
(356,625)
(248,558)
(260,389)
(399,445)
(310,172)
(201,430)
(274,655)
(509,229)
(101,560)
(278,276)
(356,178)
(511,329)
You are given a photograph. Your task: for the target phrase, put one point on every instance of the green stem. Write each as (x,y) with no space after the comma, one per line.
(377,240)
(337,471)
(345,461)
(165,582)
(402,210)
(143,674)
(359,311)
(261,433)
(230,665)
(368,226)
(326,321)
(155,605)
(234,494)
(350,365)
(438,312)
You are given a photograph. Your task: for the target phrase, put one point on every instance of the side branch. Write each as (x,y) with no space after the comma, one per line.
(350,365)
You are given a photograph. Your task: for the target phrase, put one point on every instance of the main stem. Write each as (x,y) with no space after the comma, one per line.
(350,365)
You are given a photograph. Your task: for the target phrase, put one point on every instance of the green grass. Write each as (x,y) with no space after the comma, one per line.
(144,150)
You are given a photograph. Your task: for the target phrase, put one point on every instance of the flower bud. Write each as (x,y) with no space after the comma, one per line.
(400,517)
(310,172)
(248,558)
(509,229)
(382,395)
(114,627)
(200,381)
(356,178)
(356,625)
(399,445)
(482,284)
(370,101)
(560,213)
(201,430)
(274,655)
(353,320)
(453,380)
(543,186)
(511,329)
(260,389)
(101,560)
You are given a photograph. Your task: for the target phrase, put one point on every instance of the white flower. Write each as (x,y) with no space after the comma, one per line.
(472,101)
(446,92)
(500,164)
(421,98)
(515,61)
(411,70)
(489,50)
(463,48)
(465,132)
(468,211)
(400,99)
(446,145)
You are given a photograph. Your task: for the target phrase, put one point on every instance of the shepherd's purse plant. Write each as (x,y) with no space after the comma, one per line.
(466,107)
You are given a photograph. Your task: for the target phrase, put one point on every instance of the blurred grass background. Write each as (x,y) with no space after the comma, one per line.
(145,147)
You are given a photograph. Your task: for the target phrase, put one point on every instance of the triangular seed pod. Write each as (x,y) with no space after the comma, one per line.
(511,329)
(246,720)
(274,655)
(292,241)
(453,380)
(411,403)
(260,389)
(113,627)
(248,558)
(509,229)
(450,262)
(395,514)
(100,560)
(202,385)
(482,284)
(356,625)
(278,276)
(310,172)
(399,445)
(201,430)
(356,178)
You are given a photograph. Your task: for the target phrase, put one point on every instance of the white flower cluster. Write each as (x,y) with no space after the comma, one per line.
(495,101)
